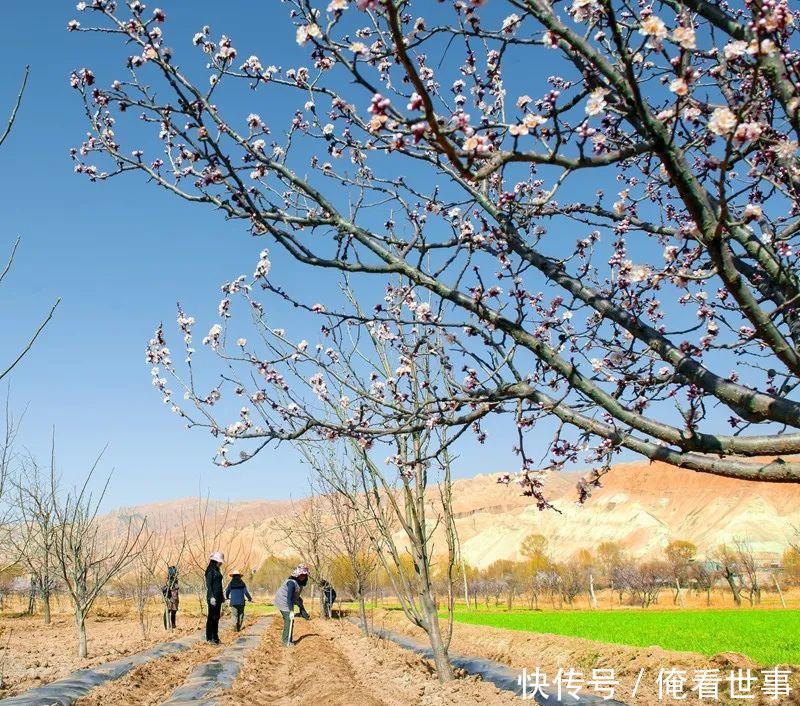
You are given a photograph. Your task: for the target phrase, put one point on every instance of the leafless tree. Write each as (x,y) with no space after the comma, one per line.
(35,531)
(571,580)
(88,554)
(307,531)
(8,465)
(679,555)
(353,532)
(749,570)
(705,576)
(148,574)
(417,517)
(537,583)
(141,579)
(794,539)
(10,430)
(647,580)
(730,567)
(624,577)
(510,576)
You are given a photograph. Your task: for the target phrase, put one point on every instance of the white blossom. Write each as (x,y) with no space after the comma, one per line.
(653,26)
(722,121)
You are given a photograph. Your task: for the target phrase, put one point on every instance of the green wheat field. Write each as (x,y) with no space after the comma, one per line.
(769,637)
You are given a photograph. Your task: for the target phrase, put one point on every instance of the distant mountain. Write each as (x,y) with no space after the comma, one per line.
(171,515)
(641,505)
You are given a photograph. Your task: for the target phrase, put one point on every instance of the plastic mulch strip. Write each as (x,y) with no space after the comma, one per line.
(217,674)
(68,690)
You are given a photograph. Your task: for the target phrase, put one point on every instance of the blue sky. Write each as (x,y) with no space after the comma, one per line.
(120,254)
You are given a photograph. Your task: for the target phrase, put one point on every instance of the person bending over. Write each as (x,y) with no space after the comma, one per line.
(287,597)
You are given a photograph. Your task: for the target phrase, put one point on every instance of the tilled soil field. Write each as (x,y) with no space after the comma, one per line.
(152,683)
(332,664)
(32,654)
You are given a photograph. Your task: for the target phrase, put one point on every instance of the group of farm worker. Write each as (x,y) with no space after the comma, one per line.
(286,598)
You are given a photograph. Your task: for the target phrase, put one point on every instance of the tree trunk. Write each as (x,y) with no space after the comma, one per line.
(142,622)
(592,596)
(731,579)
(440,657)
(780,592)
(362,612)
(678,592)
(46,606)
(80,628)
(32,591)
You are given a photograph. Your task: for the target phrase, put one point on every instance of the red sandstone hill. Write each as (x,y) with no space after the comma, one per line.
(641,505)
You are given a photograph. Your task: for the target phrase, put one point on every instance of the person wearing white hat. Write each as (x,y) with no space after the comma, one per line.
(214,595)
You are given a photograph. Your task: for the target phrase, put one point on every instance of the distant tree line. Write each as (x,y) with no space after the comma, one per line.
(539,580)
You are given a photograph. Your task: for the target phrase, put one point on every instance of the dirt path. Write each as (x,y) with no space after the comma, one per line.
(332,664)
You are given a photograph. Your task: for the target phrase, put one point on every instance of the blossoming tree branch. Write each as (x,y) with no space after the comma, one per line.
(611,242)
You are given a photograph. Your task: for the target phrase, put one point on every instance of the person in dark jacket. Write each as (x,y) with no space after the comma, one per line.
(237,592)
(171,593)
(214,596)
(328,598)
(287,597)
